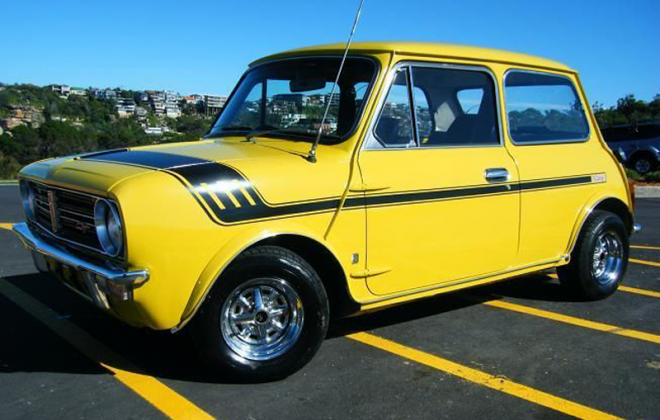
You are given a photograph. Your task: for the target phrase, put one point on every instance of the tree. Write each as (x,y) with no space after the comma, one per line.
(9,167)
(58,138)
(22,144)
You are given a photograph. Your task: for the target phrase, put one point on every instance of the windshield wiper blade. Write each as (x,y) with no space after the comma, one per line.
(223,131)
(258,133)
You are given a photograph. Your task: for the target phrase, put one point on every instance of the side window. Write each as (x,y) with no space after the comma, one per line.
(543,108)
(462,107)
(394,128)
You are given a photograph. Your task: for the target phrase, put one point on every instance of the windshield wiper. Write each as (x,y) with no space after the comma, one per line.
(225,130)
(258,133)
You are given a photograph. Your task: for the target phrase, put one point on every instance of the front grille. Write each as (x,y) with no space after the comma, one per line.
(66,214)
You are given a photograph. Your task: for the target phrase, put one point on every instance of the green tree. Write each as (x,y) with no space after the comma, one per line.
(23,144)
(9,167)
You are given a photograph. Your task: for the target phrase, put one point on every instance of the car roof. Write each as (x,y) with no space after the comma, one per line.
(425,49)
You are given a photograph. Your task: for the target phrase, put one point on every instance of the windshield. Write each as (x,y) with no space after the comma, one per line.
(288,97)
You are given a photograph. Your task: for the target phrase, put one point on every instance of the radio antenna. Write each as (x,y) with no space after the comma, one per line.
(311,156)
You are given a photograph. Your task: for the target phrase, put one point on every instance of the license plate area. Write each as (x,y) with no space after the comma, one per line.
(84,283)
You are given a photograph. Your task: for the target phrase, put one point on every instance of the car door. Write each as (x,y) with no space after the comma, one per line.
(442,202)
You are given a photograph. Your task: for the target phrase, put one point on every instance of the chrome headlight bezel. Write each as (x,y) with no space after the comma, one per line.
(109,228)
(27,199)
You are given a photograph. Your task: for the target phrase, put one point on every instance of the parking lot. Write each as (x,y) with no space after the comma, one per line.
(515,350)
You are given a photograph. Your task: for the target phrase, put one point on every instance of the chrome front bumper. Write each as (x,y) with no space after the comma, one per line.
(99,281)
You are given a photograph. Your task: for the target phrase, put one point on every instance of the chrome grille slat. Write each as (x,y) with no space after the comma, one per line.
(74,215)
(77,214)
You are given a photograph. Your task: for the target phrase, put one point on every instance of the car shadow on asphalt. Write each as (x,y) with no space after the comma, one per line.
(32,347)
(535,287)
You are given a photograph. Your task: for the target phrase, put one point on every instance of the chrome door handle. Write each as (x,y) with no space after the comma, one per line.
(496,175)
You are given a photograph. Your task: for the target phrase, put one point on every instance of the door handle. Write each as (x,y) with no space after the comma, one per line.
(496,175)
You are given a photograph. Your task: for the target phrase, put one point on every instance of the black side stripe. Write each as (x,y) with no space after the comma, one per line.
(440,194)
(210,179)
(213,181)
(551,183)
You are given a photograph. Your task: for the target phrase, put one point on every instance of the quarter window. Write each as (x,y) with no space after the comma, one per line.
(394,128)
(543,108)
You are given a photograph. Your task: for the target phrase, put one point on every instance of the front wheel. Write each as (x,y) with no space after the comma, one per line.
(599,259)
(265,318)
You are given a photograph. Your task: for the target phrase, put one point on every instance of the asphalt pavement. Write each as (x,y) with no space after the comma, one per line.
(519,349)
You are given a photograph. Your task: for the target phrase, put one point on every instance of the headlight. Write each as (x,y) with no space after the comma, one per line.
(27,197)
(108,227)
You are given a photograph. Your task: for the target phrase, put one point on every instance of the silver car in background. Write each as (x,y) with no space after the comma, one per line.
(637,146)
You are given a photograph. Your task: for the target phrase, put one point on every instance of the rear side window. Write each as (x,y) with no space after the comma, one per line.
(543,108)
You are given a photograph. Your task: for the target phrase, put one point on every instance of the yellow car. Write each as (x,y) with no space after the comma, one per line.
(439,167)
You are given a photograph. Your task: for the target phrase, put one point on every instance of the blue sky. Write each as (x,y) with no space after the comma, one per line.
(205,45)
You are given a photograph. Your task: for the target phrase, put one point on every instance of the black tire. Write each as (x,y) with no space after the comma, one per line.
(643,164)
(580,277)
(258,263)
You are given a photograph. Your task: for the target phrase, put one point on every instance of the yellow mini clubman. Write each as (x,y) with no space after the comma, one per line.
(438,167)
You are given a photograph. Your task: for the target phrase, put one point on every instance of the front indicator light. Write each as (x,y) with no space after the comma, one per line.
(28,200)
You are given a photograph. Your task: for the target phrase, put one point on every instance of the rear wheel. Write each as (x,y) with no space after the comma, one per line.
(599,259)
(643,164)
(265,318)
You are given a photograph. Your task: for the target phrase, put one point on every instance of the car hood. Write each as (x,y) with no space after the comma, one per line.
(276,169)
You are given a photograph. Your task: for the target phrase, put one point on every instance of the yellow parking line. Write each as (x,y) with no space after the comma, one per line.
(482,378)
(165,399)
(656,248)
(598,326)
(636,261)
(6,226)
(640,291)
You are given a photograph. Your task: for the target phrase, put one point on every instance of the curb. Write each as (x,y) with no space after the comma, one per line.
(647,191)
(8,183)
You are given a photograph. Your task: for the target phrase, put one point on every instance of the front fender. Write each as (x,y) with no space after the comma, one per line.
(231,250)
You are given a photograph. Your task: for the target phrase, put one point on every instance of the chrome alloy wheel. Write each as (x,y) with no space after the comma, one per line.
(262,318)
(607,260)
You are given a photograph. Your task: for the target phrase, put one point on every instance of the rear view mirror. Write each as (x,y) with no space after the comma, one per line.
(305,85)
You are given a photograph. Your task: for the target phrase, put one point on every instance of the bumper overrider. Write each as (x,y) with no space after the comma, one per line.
(99,282)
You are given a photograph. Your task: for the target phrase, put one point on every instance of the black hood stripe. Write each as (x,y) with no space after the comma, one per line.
(228,197)
(146,158)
